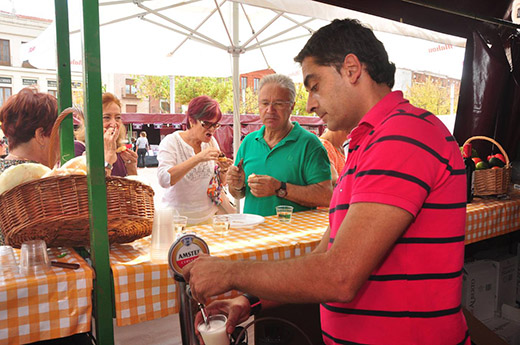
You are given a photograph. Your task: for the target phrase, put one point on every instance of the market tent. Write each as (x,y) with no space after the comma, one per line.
(207,37)
(168,123)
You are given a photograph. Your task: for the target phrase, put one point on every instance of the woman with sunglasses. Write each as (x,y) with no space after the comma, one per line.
(190,162)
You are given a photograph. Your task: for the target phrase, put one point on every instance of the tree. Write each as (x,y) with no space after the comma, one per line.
(430,95)
(187,88)
(300,106)
(221,89)
(153,86)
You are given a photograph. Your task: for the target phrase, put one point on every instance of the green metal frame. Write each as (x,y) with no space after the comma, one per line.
(99,245)
(64,79)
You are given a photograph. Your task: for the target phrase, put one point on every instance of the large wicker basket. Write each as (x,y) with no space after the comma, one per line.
(56,210)
(491,181)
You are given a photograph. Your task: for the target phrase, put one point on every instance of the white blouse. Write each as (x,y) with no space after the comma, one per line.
(188,196)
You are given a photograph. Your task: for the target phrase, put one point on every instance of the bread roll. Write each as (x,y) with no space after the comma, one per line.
(21,173)
(121,149)
(77,163)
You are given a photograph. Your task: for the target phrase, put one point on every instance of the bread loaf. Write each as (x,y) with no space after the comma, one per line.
(21,173)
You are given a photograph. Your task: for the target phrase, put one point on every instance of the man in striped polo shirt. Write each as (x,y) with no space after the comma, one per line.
(389,268)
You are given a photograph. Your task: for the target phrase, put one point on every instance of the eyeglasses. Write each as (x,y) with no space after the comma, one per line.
(278,105)
(209,125)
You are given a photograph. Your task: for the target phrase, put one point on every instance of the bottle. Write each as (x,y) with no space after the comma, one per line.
(470,168)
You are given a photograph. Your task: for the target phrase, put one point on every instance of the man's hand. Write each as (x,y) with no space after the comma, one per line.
(236,309)
(263,185)
(235,177)
(208,276)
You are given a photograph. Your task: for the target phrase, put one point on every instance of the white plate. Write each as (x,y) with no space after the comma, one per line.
(245,220)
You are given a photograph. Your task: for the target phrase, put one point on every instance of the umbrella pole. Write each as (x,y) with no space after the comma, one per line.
(236,90)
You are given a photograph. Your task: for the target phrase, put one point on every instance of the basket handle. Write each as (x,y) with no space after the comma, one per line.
(491,140)
(54,147)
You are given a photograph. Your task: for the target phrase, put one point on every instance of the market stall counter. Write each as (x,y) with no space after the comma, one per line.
(54,304)
(146,291)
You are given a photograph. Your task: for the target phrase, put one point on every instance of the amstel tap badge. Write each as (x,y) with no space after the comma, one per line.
(184,250)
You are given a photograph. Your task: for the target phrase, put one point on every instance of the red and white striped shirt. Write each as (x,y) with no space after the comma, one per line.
(404,156)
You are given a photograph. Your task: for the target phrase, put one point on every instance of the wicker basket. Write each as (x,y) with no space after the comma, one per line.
(491,181)
(56,210)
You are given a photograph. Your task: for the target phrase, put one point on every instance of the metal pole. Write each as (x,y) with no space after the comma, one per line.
(172,94)
(186,316)
(490,20)
(64,79)
(103,300)
(236,90)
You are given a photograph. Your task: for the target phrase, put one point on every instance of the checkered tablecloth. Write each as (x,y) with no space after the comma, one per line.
(46,306)
(146,291)
(486,218)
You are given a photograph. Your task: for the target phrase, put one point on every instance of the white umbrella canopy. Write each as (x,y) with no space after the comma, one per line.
(167,37)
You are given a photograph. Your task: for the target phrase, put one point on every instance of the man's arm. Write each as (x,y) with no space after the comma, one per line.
(366,235)
(313,195)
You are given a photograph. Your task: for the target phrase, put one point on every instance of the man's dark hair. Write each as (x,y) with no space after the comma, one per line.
(330,44)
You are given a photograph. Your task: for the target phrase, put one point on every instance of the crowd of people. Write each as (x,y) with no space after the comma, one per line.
(389,267)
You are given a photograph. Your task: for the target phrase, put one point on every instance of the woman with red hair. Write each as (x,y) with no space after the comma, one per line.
(27,119)
(190,162)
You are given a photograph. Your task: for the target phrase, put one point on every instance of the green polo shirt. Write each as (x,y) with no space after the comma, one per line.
(298,159)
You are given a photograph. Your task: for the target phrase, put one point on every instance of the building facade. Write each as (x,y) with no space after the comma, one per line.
(15,74)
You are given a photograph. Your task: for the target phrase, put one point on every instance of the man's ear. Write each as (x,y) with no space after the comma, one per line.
(351,68)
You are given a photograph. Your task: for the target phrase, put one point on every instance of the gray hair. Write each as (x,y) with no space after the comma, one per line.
(282,80)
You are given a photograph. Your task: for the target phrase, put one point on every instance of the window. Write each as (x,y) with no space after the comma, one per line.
(5,93)
(131,108)
(165,106)
(53,92)
(130,89)
(5,53)
(255,85)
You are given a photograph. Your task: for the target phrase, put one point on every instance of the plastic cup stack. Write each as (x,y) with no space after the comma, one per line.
(163,233)
(8,265)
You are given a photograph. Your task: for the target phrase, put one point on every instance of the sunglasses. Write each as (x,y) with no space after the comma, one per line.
(209,125)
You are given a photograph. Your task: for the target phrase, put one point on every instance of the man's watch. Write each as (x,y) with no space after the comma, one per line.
(254,302)
(282,191)
(108,166)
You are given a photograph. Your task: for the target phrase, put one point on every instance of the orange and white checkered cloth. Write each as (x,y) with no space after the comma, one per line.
(486,218)
(52,305)
(146,291)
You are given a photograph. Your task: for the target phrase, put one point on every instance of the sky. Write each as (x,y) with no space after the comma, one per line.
(405,52)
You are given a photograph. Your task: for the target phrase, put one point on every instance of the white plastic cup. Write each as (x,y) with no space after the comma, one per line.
(215,332)
(284,213)
(34,258)
(221,224)
(8,265)
(163,233)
